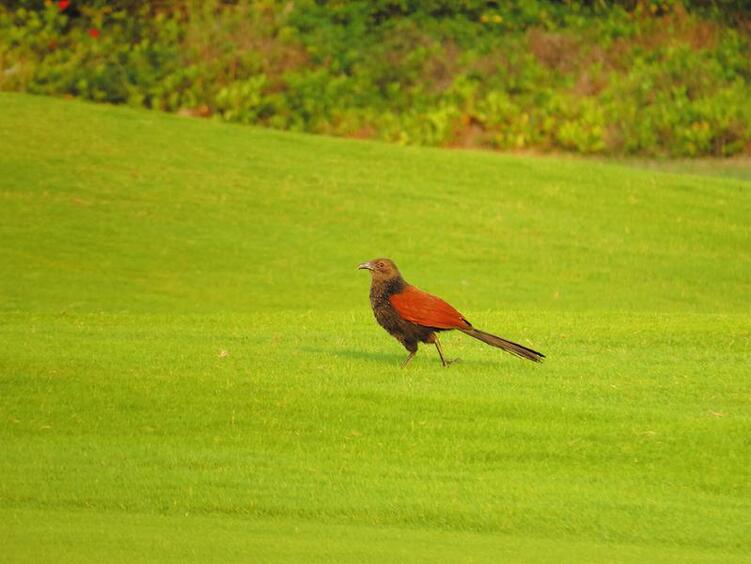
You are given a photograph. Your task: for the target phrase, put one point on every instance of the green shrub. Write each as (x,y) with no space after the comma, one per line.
(651,78)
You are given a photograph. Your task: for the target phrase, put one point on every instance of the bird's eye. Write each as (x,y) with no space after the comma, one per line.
(380,265)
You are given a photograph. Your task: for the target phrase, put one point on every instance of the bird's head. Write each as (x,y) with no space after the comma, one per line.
(381,269)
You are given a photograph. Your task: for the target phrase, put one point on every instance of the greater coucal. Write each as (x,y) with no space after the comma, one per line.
(413,316)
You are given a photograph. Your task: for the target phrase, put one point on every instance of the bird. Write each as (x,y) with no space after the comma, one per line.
(414,316)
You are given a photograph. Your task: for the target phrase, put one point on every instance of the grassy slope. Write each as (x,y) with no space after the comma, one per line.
(739,168)
(141,245)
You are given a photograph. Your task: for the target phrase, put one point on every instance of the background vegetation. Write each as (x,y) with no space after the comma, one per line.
(649,77)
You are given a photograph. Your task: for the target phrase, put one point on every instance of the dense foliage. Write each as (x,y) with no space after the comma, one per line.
(649,77)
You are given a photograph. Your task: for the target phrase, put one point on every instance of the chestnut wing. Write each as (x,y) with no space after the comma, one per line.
(426,309)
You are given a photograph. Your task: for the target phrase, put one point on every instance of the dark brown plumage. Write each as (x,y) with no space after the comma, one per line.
(413,316)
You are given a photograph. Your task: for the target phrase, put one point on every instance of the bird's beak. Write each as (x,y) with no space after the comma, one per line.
(365,266)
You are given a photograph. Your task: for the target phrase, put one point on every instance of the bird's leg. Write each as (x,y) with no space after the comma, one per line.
(438,348)
(440,352)
(406,362)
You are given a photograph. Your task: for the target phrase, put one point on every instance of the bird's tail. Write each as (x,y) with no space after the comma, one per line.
(508,346)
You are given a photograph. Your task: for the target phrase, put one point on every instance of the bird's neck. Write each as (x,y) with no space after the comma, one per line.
(383,289)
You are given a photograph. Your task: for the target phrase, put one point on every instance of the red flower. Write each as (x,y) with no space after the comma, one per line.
(62,4)
(94,33)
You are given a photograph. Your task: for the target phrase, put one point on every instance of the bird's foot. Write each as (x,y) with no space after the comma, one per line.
(452,361)
(406,362)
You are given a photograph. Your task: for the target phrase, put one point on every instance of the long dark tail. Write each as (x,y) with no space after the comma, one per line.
(508,346)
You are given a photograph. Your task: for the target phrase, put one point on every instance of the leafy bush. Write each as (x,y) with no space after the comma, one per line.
(654,77)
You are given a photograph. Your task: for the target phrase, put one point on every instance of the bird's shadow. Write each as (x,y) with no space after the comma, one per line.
(392,359)
(358,354)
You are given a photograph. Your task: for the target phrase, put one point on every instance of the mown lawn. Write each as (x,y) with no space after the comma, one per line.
(189,370)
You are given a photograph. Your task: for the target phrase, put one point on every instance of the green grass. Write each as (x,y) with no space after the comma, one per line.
(189,369)
(739,167)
